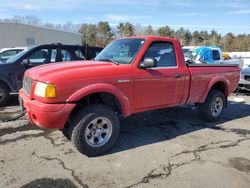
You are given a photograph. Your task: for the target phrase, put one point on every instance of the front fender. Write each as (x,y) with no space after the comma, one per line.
(212,83)
(103,87)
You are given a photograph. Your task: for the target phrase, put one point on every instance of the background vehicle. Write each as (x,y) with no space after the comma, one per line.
(188,51)
(244,82)
(209,55)
(6,53)
(129,76)
(11,72)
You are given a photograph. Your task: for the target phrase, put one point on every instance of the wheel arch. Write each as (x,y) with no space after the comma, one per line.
(6,83)
(105,94)
(220,84)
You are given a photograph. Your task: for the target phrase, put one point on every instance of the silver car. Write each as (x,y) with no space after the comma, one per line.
(244,82)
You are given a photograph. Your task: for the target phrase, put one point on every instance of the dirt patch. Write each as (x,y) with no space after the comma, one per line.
(242,132)
(10,130)
(5,116)
(11,116)
(240,163)
(70,151)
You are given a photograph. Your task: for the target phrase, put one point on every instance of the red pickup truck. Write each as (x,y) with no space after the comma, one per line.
(130,75)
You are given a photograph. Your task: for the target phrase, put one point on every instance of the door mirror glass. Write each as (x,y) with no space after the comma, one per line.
(148,63)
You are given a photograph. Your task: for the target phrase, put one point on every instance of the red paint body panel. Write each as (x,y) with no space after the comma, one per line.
(136,89)
(203,78)
(46,115)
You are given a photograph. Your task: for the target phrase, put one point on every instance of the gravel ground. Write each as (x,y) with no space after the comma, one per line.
(164,148)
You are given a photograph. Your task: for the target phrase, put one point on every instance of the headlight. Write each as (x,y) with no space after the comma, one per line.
(45,90)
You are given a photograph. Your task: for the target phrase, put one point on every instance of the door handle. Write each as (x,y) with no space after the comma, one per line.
(178,75)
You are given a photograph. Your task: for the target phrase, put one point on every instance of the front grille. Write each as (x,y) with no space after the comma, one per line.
(27,84)
(247,77)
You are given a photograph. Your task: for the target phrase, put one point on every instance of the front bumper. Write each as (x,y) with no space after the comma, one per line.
(45,115)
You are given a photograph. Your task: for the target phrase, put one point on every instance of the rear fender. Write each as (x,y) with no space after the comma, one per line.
(213,81)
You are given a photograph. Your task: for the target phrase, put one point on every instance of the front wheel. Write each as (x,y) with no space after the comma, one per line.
(95,129)
(213,107)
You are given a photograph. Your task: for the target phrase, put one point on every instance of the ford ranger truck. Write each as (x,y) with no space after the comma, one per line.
(131,75)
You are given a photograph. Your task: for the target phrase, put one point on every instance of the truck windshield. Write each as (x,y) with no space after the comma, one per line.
(121,51)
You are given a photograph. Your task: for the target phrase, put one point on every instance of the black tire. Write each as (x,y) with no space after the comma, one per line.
(4,94)
(82,123)
(207,112)
(66,131)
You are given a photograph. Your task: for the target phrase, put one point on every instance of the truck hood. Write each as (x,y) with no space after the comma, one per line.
(70,70)
(69,77)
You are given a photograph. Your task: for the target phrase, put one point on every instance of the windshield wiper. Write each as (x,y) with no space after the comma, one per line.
(109,60)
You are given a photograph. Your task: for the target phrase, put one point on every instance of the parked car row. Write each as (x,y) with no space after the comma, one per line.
(214,55)
(208,55)
(244,83)
(12,70)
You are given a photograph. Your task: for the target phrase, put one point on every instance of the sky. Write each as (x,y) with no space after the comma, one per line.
(222,15)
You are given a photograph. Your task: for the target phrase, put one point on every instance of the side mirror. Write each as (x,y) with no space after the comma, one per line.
(25,62)
(148,63)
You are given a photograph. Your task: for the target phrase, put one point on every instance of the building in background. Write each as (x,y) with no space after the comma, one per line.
(18,34)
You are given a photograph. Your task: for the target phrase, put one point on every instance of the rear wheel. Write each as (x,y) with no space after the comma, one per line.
(95,130)
(213,107)
(4,94)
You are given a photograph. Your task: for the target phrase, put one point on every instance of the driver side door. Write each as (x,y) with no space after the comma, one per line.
(160,86)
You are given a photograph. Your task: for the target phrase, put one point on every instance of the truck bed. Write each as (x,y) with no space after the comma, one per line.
(205,75)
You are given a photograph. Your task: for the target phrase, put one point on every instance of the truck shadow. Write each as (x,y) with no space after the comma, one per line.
(52,183)
(162,125)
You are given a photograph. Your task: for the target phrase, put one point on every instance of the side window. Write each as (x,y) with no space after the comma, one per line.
(59,55)
(216,55)
(79,54)
(163,53)
(53,56)
(65,55)
(40,56)
(8,54)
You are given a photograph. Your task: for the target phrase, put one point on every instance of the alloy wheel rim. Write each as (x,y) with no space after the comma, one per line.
(98,132)
(217,107)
